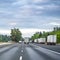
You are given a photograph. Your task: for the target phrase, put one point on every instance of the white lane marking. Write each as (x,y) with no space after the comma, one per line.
(21,50)
(48,50)
(20,57)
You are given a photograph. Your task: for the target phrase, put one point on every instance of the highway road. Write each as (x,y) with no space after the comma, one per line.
(29,52)
(50,47)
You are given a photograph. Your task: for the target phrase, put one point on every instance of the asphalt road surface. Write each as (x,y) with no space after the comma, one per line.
(28,52)
(50,47)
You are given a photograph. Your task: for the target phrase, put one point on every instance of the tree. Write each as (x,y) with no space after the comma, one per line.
(4,38)
(36,36)
(16,35)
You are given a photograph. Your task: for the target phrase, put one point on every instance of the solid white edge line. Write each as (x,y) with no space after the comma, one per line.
(20,57)
(49,50)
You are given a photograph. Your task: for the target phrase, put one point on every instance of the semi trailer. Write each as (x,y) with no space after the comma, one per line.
(51,40)
(35,41)
(42,40)
(26,40)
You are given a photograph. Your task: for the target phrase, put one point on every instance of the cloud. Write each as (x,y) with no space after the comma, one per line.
(54,23)
(13,23)
(40,1)
(47,7)
(51,6)
(4,32)
(19,3)
(22,8)
(39,7)
(3,11)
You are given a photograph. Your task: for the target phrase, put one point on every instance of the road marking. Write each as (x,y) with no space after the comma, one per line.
(49,50)
(21,50)
(20,57)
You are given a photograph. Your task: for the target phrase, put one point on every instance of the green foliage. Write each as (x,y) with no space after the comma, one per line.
(16,35)
(56,28)
(36,35)
(4,38)
(58,35)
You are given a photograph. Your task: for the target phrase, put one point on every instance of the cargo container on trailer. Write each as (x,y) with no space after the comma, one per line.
(42,40)
(26,40)
(35,41)
(51,40)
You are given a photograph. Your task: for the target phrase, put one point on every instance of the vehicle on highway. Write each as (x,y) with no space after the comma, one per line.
(26,40)
(42,40)
(51,40)
(35,41)
(20,41)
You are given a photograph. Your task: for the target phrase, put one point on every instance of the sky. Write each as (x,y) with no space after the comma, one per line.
(29,16)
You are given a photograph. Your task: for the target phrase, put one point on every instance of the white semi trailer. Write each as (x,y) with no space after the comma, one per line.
(42,40)
(51,40)
(26,40)
(35,41)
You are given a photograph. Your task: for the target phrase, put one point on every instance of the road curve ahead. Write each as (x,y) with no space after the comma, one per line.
(27,52)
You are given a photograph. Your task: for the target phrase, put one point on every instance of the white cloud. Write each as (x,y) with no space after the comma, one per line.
(38,12)
(54,23)
(3,11)
(51,6)
(13,23)
(39,7)
(45,7)
(19,2)
(4,32)
(37,1)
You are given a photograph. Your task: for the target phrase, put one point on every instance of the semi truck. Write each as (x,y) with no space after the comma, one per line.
(35,41)
(26,40)
(51,40)
(42,40)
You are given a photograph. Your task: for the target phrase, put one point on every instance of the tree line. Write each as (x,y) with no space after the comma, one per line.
(4,38)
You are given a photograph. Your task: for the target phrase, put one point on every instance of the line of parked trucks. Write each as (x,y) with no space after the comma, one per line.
(50,40)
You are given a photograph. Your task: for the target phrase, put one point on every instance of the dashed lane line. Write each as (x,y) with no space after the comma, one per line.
(20,57)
